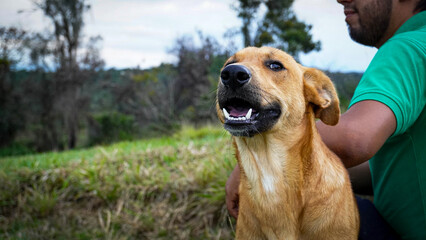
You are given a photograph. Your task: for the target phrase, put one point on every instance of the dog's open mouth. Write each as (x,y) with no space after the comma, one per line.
(243,118)
(238,111)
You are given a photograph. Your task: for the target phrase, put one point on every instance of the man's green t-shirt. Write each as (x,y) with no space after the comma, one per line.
(397,77)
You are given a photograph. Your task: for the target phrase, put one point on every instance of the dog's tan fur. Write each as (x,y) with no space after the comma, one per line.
(292,186)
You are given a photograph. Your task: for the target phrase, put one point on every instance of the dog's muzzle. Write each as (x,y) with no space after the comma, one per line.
(240,102)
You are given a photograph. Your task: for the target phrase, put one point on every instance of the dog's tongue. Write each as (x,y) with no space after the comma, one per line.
(238,111)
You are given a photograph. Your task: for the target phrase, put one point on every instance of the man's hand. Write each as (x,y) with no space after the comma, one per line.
(231,189)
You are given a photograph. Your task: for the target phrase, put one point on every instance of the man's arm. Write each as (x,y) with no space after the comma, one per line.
(360,133)
(231,190)
(360,177)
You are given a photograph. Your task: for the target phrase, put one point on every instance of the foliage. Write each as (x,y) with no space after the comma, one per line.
(48,106)
(11,45)
(147,94)
(197,75)
(164,188)
(143,95)
(279,27)
(67,17)
(16,149)
(110,127)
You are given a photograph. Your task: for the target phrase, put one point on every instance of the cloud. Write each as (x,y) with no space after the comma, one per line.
(127,58)
(27,19)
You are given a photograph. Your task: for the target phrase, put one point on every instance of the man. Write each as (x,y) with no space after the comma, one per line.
(386,121)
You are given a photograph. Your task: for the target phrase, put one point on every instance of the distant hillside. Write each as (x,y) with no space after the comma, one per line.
(115,105)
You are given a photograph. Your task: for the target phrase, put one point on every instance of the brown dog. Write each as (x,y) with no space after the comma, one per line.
(292,186)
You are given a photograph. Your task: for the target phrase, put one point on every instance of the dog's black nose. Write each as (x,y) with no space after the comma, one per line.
(235,76)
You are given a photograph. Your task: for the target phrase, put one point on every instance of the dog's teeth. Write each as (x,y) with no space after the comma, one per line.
(248,115)
(225,113)
(229,117)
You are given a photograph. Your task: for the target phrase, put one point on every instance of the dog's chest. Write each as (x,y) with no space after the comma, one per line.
(263,168)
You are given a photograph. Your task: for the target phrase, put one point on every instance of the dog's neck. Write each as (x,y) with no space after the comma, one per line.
(275,160)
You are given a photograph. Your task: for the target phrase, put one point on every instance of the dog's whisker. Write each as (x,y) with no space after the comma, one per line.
(265,97)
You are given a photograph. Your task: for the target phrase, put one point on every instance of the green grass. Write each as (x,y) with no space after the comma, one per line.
(163,188)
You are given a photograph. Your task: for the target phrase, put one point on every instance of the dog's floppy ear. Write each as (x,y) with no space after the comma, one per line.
(320,92)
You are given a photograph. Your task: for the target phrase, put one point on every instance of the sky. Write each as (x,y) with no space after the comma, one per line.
(142,32)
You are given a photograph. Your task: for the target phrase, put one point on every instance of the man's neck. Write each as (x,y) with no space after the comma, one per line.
(400,14)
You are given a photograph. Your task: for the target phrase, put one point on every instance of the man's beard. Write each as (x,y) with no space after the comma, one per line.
(374,21)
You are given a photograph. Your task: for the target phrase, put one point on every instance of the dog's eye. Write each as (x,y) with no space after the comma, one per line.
(274,65)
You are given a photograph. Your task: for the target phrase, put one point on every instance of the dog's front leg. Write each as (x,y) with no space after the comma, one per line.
(249,228)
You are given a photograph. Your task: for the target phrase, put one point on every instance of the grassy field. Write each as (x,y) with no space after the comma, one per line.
(164,188)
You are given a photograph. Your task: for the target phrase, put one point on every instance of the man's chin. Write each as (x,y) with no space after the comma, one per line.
(360,37)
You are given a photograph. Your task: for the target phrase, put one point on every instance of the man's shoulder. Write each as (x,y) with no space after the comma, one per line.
(416,40)
(413,29)
(400,50)
(396,76)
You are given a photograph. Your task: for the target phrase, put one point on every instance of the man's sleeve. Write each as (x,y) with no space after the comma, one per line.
(396,77)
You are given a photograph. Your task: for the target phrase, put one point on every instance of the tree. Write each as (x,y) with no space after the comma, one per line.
(11,44)
(91,60)
(44,95)
(279,27)
(148,95)
(67,18)
(193,87)
(68,22)
(11,47)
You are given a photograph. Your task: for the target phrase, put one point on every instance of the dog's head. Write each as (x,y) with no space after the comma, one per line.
(261,89)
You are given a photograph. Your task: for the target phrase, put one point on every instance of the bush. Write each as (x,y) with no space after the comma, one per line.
(111,127)
(15,149)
